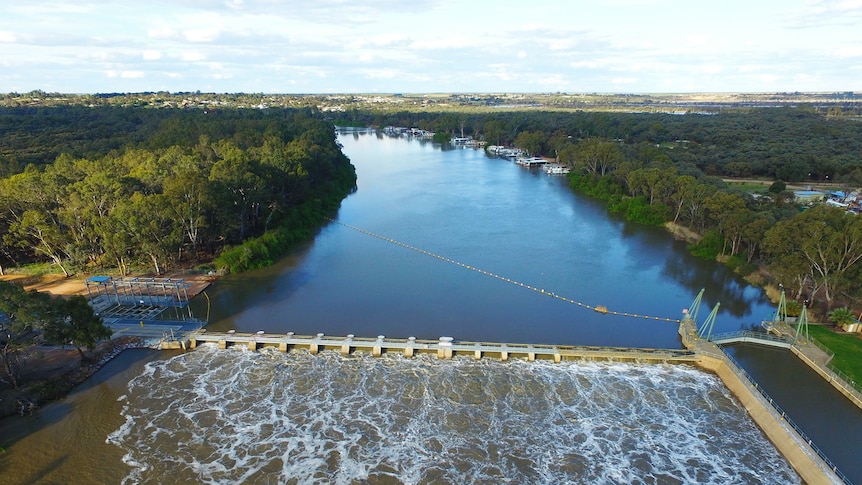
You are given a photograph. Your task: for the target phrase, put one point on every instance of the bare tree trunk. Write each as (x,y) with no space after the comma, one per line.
(84,358)
(11,364)
(59,262)
(155,260)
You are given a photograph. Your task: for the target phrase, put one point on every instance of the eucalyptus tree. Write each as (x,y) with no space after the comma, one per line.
(238,187)
(156,234)
(189,198)
(75,322)
(655,184)
(22,315)
(751,234)
(531,141)
(597,156)
(823,243)
(683,188)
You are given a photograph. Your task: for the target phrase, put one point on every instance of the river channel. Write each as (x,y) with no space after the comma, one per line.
(434,242)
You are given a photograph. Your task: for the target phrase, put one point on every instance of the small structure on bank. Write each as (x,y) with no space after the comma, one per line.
(138,306)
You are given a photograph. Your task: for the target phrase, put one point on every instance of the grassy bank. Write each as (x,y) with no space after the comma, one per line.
(847,348)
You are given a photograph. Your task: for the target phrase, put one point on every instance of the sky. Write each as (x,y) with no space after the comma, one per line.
(430,46)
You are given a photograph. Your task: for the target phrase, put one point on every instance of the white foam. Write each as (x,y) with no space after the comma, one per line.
(226,416)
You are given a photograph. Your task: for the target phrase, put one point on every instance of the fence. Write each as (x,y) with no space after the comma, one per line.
(741,373)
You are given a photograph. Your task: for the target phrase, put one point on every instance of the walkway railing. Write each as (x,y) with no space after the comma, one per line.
(742,374)
(848,383)
(749,336)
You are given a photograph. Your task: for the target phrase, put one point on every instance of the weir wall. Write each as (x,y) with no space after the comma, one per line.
(797,452)
(810,466)
(842,387)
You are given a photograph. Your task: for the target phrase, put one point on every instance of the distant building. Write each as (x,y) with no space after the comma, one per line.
(808,196)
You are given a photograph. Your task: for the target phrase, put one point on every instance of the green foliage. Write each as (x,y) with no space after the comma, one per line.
(777,187)
(637,209)
(176,187)
(263,251)
(822,243)
(709,247)
(740,265)
(794,308)
(842,316)
(76,323)
(847,350)
(441,137)
(602,188)
(26,317)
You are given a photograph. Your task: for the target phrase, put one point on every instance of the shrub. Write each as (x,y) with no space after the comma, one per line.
(709,247)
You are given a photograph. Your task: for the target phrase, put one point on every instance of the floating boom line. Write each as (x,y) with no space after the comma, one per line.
(597,308)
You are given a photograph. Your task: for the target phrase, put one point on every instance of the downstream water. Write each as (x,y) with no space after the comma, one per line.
(230,416)
(264,417)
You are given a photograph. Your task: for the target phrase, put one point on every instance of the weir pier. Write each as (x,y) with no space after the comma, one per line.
(700,349)
(444,348)
(806,460)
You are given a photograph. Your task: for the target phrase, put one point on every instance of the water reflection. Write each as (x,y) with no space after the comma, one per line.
(491,214)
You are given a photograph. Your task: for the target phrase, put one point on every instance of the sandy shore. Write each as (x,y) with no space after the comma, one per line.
(76,285)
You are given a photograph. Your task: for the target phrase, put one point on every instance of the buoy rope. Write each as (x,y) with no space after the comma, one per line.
(597,308)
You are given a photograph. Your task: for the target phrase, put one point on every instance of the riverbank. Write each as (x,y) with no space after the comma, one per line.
(50,373)
(59,285)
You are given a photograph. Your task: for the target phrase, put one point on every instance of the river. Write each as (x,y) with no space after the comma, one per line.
(456,228)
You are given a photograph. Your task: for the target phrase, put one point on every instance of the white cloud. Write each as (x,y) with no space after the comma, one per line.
(382,73)
(8,37)
(151,55)
(433,45)
(124,74)
(161,32)
(192,56)
(201,35)
(849,51)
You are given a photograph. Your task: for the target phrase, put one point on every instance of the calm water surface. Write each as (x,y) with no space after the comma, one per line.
(490,214)
(237,416)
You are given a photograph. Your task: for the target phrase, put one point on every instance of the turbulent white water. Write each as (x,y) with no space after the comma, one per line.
(231,416)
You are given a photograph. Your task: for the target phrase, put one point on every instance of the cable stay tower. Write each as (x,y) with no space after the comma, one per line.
(690,315)
(802,325)
(779,317)
(705,331)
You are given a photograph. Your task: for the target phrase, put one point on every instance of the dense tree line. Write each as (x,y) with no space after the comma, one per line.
(814,252)
(792,144)
(144,187)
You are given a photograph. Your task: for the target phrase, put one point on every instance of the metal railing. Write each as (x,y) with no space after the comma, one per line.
(741,373)
(749,334)
(850,384)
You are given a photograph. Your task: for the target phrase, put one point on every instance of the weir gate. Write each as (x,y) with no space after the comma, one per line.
(444,348)
(134,307)
(806,459)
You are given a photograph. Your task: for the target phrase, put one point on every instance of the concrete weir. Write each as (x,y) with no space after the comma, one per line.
(444,348)
(811,466)
(795,447)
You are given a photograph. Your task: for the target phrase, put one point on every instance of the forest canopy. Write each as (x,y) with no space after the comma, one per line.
(109,187)
(793,144)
